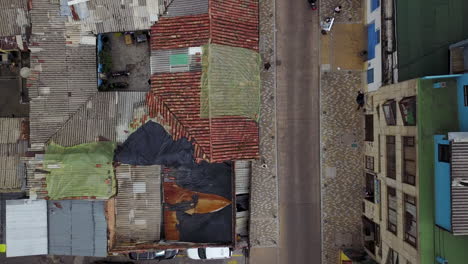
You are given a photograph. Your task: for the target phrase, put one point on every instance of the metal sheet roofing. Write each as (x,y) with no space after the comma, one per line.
(23,236)
(13,145)
(161,60)
(138,204)
(106,114)
(100,16)
(3,198)
(459,165)
(63,73)
(187,7)
(14,17)
(77,228)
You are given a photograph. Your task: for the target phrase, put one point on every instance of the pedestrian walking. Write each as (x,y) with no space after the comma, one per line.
(337,9)
(360,100)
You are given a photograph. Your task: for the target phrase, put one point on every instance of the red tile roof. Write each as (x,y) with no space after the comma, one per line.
(180,32)
(234,23)
(229,22)
(176,100)
(176,96)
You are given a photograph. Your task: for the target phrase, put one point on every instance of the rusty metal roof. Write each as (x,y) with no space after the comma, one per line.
(14,17)
(64,73)
(101,16)
(138,204)
(105,114)
(13,144)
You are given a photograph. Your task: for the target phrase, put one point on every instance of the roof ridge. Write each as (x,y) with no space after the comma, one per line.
(154,102)
(71,116)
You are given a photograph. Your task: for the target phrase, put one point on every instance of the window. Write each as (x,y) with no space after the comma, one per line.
(392,220)
(392,257)
(409,160)
(369,127)
(370,184)
(377,36)
(370,163)
(465,90)
(391,157)
(370,76)
(411,229)
(444,153)
(389,108)
(369,231)
(408,110)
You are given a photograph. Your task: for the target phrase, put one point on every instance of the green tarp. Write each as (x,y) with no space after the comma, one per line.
(82,170)
(178,59)
(230,84)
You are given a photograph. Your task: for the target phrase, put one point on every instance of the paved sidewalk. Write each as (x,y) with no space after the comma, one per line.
(341,128)
(264,228)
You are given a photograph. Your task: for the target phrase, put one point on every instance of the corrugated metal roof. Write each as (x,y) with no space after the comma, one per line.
(106,114)
(160,60)
(459,165)
(14,17)
(185,8)
(242,172)
(100,16)
(77,228)
(13,144)
(23,236)
(63,73)
(3,198)
(138,204)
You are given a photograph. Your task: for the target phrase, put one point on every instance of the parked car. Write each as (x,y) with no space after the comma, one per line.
(160,254)
(209,253)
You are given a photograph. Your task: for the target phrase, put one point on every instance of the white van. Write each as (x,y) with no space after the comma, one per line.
(209,253)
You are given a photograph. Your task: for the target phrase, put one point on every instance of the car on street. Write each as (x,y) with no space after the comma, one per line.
(209,253)
(159,255)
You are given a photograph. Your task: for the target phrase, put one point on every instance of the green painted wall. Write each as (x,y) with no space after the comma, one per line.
(425,29)
(437,114)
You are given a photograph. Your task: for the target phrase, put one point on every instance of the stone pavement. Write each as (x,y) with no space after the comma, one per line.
(341,128)
(264,228)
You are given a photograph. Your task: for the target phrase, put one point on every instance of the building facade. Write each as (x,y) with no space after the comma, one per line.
(391,195)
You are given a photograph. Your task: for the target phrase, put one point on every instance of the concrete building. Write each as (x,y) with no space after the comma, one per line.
(415,171)
(391,193)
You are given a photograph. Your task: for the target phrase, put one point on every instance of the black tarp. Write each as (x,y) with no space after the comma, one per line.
(206,228)
(211,178)
(152,145)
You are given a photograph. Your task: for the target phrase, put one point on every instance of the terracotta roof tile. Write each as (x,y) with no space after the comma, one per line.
(176,99)
(180,32)
(234,23)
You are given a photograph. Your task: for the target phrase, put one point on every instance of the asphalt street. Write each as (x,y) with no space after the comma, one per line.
(298,97)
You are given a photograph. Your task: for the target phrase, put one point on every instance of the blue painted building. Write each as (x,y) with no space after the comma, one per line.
(451,163)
